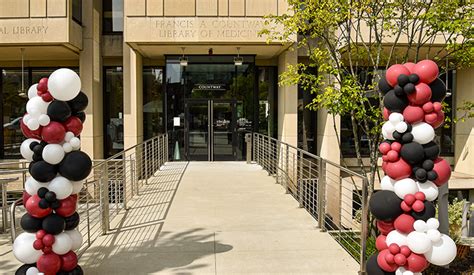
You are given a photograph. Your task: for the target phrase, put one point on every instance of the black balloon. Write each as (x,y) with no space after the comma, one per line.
(409,88)
(385,205)
(33,144)
(76,271)
(384,87)
(37,157)
(395,103)
(407,138)
(397,136)
(421,175)
(438,90)
(55,204)
(81,116)
(54,224)
(412,153)
(398,90)
(38,149)
(59,111)
(431,150)
(72,221)
(432,175)
(426,214)
(79,103)
(428,165)
(50,196)
(373,267)
(43,204)
(30,224)
(414,78)
(42,171)
(403,80)
(75,166)
(22,269)
(42,192)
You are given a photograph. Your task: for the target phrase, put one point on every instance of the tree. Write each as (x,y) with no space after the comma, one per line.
(350,43)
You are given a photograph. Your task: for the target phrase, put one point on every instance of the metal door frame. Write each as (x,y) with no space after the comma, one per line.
(210,124)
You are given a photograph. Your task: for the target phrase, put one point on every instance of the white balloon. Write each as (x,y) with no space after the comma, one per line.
(37,105)
(396,238)
(434,235)
(33,124)
(432,223)
(33,91)
(422,133)
(68,136)
(419,242)
(23,248)
(387,183)
(401,127)
(53,153)
(32,186)
(64,84)
(420,226)
(44,120)
(76,238)
(77,186)
(61,186)
(32,271)
(405,186)
(26,118)
(62,244)
(25,150)
(429,189)
(75,143)
(402,271)
(395,118)
(387,130)
(67,147)
(443,252)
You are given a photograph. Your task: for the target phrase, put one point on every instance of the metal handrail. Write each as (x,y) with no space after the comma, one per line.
(316,183)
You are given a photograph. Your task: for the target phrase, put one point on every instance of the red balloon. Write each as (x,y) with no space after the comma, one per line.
(396,146)
(394,248)
(28,133)
(392,156)
(384,148)
(413,114)
(416,262)
(439,121)
(25,197)
(67,207)
(385,227)
(386,113)
(397,170)
(73,124)
(48,240)
(68,261)
(54,132)
(410,66)
(40,234)
(32,206)
(47,249)
(49,264)
(38,245)
(47,97)
(400,259)
(393,72)
(404,223)
(381,261)
(443,169)
(427,70)
(421,95)
(428,107)
(380,242)
(405,250)
(418,206)
(42,85)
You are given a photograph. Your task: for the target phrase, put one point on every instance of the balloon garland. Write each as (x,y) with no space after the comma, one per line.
(52,125)
(404,208)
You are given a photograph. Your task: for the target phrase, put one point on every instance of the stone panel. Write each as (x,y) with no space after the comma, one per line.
(237,7)
(13,8)
(206,7)
(38,8)
(56,8)
(180,8)
(261,7)
(154,7)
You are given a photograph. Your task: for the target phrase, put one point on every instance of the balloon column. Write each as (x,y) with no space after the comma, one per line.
(52,125)
(404,208)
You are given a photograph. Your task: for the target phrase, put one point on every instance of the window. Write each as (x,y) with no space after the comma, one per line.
(307,120)
(153,115)
(267,100)
(77,11)
(112,22)
(113,111)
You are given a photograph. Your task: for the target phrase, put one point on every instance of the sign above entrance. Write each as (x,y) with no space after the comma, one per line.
(188,29)
(210,87)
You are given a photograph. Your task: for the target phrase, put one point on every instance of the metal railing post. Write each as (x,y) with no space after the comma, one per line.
(146,162)
(3,185)
(254,147)
(104,191)
(248,142)
(321,190)
(287,191)
(300,180)
(166,148)
(364,230)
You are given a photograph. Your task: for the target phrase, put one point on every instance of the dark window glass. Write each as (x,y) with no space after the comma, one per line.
(267,100)
(112,22)
(153,115)
(307,120)
(444,134)
(113,111)
(77,11)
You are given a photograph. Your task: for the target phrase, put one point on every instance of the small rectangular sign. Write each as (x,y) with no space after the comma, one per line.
(176,121)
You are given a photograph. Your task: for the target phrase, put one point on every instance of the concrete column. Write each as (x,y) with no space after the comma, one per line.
(90,63)
(464,131)
(132,97)
(288,102)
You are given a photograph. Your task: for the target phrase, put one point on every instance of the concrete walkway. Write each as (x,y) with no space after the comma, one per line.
(217,218)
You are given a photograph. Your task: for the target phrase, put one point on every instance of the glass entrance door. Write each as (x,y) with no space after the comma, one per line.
(210,130)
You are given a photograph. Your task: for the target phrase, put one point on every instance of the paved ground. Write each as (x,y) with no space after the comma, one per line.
(217,218)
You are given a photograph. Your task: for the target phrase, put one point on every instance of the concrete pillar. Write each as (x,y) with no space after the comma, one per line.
(464,131)
(90,63)
(132,97)
(288,102)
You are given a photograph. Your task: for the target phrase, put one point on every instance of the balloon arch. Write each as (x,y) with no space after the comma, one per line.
(404,208)
(52,125)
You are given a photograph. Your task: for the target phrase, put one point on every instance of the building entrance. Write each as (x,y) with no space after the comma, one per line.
(210,129)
